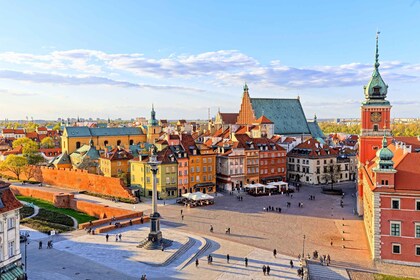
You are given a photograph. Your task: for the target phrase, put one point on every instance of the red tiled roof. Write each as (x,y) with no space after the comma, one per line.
(408,173)
(8,198)
(49,152)
(289,140)
(31,135)
(15,151)
(42,128)
(313,148)
(174,137)
(8,130)
(229,118)
(263,120)
(19,131)
(118,154)
(187,141)
(413,141)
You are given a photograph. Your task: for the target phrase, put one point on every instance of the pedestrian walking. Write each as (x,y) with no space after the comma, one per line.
(196,262)
(211,228)
(280,210)
(116,238)
(291,264)
(131,222)
(246,262)
(40,245)
(275,253)
(141,220)
(268,270)
(331,243)
(229,230)
(181,211)
(182,217)
(120,236)
(264,269)
(227,258)
(208,259)
(328,259)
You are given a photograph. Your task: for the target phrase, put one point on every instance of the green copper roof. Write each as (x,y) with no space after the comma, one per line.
(376,89)
(315,130)
(287,114)
(153,121)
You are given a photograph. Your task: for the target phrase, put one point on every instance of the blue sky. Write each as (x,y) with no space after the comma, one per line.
(115,58)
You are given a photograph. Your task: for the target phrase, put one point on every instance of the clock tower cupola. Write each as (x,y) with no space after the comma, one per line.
(375,113)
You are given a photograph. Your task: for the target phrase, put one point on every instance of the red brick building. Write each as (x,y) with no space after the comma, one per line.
(389,181)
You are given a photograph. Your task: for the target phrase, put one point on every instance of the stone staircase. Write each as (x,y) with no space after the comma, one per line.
(323,272)
(200,253)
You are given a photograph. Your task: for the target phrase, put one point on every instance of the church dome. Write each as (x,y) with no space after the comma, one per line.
(384,153)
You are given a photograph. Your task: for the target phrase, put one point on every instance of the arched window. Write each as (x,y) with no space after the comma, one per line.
(118,142)
(131,142)
(106,143)
(77,145)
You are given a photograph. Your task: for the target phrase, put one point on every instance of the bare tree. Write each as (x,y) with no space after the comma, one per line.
(332,174)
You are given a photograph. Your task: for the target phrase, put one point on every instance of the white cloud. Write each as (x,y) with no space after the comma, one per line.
(223,68)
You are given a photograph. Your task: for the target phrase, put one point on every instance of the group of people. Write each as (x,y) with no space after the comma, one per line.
(240,197)
(266,269)
(311,197)
(271,208)
(210,260)
(49,244)
(143,277)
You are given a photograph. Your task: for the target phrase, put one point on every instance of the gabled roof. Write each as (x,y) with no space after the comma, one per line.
(99,131)
(229,118)
(287,114)
(62,159)
(8,201)
(263,120)
(312,148)
(118,154)
(188,143)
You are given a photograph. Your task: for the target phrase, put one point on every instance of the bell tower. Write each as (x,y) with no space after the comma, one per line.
(375,122)
(153,128)
(375,114)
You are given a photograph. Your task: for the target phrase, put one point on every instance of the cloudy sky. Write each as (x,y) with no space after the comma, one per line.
(115,58)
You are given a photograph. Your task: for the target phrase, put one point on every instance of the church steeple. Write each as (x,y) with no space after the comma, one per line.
(376,90)
(153,120)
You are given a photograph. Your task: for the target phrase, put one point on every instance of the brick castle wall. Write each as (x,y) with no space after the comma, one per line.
(76,179)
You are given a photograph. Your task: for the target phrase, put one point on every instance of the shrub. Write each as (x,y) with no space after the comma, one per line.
(26,211)
(54,217)
(44,226)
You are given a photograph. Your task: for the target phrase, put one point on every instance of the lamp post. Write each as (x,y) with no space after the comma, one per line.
(26,255)
(303,247)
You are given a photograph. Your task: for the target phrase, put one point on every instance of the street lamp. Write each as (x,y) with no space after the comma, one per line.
(26,255)
(303,247)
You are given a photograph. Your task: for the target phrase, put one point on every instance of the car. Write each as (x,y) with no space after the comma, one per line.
(23,238)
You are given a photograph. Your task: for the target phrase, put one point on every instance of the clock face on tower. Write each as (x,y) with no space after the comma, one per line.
(376,117)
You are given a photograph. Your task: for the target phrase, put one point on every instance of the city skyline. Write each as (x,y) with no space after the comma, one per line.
(172,54)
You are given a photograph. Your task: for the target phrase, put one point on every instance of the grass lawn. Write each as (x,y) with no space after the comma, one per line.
(389,277)
(79,216)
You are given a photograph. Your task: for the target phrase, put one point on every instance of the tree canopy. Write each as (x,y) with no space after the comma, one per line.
(15,164)
(47,142)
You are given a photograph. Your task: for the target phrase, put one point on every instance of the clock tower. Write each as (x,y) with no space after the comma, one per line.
(375,120)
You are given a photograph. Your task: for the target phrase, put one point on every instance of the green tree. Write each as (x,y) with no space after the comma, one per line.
(30,150)
(47,142)
(15,164)
(57,126)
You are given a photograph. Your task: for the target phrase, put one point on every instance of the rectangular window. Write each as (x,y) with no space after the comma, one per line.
(417,250)
(11,249)
(395,203)
(10,223)
(185,181)
(210,177)
(192,169)
(167,180)
(204,169)
(204,160)
(396,248)
(418,205)
(185,172)
(180,181)
(198,169)
(209,160)
(395,228)
(204,178)
(197,178)
(192,179)
(210,169)
(417,233)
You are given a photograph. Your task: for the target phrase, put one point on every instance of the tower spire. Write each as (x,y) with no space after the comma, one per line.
(377,50)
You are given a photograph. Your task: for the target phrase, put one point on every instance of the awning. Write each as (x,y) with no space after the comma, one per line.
(12,272)
(200,185)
